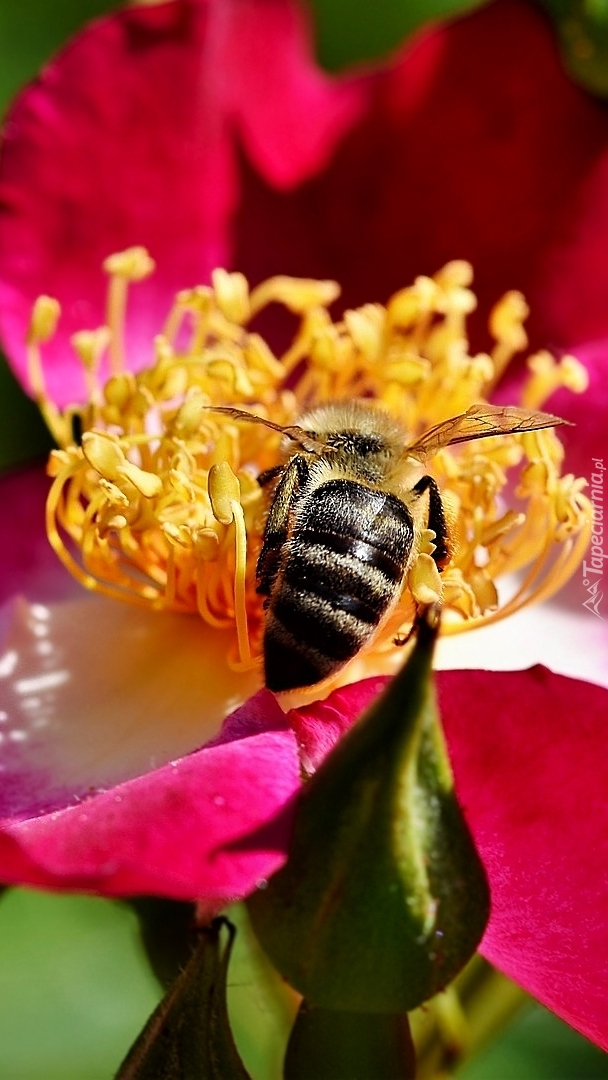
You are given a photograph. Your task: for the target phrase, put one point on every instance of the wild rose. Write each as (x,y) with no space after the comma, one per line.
(372,162)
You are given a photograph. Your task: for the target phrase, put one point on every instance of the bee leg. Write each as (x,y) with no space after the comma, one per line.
(436,519)
(275,535)
(269,475)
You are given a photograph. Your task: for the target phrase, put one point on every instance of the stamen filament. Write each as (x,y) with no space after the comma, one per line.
(167,466)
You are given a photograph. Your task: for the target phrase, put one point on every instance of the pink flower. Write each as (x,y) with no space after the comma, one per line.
(166,126)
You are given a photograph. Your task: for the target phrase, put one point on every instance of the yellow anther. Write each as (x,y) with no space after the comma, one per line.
(89,345)
(57,461)
(163,350)
(259,356)
(427,291)
(177,534)
(484,589)
(325,348)
(148,484)
(190,416)
(506,327)
(162,498)
(232,295)
(182,485)
(571,506)
(43,323)
(461,302)
(547,375)
(575,377)
(133,264)
(120,389)
(366,328)
(224,492)
(506,321)
(404,308)
(117,521)
(296,294)
(457,274)
(113,493)
(199,299)
(207,544)
(103,453)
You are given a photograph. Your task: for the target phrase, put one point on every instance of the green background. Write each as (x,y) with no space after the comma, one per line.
(75,986)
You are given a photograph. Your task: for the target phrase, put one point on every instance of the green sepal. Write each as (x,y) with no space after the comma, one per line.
(168,933)
(383,898)
(188,1036)
(327,1045)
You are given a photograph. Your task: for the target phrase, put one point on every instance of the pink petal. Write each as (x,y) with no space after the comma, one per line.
(210,825)
(589,411)
(290,113)
(128,138)
(528,752)
(29,565)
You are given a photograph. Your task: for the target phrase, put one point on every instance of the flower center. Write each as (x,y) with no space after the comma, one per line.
(155,496)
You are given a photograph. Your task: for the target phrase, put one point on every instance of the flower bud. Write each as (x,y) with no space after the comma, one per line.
(383,898)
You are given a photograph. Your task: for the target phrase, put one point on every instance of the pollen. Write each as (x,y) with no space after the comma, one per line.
(157,503)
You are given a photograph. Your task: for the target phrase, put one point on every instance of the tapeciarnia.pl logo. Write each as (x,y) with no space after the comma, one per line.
(593,566)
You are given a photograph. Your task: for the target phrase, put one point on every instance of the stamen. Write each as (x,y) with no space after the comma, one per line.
(548,375)
(159,504)
(506,326)
(89,346)
(134,264)
(225,496)
(43,324)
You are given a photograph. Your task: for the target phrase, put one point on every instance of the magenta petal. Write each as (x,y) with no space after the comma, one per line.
(120,141)
(28,565)
(290,113)
(475,145)
(128,137)
(528,750)
(210,825)
(529,755)
(588,441)
(318,727)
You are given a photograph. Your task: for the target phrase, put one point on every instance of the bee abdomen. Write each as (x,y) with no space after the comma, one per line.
(340,572)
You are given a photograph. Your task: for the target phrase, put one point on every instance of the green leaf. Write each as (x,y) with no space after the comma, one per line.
(383,898)
(32,30)
(23,433)
(582,26)
(188,1036)
(348,33)
(326,1045)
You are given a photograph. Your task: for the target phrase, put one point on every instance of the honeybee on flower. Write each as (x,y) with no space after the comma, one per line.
(161,501)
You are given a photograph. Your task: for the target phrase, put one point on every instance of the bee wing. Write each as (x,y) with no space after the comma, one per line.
(479,422)
(296,434)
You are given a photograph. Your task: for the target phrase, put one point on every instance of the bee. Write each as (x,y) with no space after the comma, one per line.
(349,502)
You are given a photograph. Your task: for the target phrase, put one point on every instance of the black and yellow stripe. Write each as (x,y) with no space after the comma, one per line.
(340,568)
